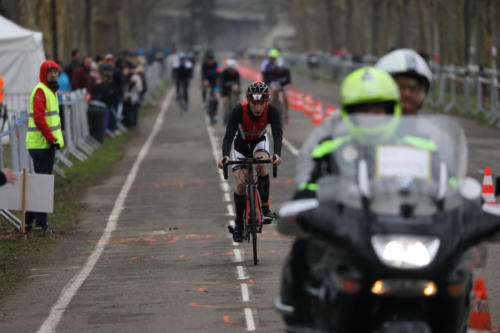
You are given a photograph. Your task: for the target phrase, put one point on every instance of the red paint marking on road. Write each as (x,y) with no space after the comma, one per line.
(275,233)
(181,256)
(175,239)
(132,258)
(197,236)
(238,306)
(151,257)
(228,254)
(276,239)
(203,290)
(206,254)
(227,320)
(158,186)
(193,282)
(250,281)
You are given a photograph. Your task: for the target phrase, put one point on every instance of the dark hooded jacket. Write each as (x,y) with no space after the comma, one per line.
(40,103)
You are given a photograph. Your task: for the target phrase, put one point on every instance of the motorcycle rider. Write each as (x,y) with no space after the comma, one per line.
(413,77)
(365,91)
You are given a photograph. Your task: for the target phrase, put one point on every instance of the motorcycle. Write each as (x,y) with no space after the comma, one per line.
(386,244)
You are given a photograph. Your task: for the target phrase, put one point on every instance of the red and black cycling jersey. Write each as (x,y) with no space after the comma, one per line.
(247,127)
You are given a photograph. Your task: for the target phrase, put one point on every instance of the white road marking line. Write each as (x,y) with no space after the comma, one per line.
(249,319)
(71,288)
(224,185)
(245,296)
(230,209)
(237,257)
(290,147)
(288,144)
(242,273)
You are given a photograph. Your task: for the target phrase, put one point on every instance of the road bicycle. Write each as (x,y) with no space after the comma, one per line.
(253,217)
(182,95)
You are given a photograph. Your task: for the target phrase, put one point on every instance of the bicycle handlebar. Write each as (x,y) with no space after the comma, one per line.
(250,161)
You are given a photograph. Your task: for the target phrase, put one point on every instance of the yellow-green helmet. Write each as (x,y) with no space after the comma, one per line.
(273,53)
(370,85)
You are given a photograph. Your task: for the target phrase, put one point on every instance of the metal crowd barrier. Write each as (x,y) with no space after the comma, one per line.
(453,88)
(78,141)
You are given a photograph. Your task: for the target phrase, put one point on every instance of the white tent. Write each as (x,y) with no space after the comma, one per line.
(21,54)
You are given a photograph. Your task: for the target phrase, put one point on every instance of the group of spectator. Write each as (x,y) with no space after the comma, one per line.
(117,84)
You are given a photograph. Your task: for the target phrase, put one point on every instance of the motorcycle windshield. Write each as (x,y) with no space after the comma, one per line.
(396,165)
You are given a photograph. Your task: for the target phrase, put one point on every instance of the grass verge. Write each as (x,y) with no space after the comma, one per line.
(18,251)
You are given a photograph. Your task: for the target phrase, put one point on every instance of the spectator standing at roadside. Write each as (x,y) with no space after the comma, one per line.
(44,135)
(64,87)
(135,93)
(75,61)
(81,78)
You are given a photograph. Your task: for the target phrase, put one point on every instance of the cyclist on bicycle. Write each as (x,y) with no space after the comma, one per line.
(246,132)
(210,72)
(182,72)
(268,65)
(313,65)
(229,86)
(280,82)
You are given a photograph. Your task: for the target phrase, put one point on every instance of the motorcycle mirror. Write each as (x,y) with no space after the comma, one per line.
(287,221)
(470,188)
(491,209)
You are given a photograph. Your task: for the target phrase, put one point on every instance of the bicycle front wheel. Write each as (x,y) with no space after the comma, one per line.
(254,245)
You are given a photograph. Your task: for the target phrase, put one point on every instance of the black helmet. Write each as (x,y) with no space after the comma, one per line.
(258,91)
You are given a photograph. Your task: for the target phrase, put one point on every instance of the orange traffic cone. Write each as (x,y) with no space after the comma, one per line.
(331,110)
(479,320)
(295,99)
(308,109)
(318,112)
(488,190)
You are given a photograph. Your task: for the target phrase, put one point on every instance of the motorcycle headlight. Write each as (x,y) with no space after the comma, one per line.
(403,251)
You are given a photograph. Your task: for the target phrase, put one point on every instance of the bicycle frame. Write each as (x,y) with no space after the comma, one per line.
(253,209)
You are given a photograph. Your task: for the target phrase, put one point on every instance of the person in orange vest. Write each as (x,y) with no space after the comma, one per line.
(44,135)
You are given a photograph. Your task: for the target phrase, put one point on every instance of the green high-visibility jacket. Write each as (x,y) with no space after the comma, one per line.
(34,137)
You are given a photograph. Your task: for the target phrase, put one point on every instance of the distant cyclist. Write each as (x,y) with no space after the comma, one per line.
(246,133)
(210,72)
(182,72)
(313,65)
(268,65)
(280,82)
(229,86)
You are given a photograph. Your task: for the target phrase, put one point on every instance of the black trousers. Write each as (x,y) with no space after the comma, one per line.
(43,161)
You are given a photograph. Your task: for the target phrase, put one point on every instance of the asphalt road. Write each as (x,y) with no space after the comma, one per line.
(152,252)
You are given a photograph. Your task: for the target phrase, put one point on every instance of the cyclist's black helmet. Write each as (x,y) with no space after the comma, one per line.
(258,91)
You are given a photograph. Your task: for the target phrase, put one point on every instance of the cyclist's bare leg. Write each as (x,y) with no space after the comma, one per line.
(240,177)
(263,184)
(261,169)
